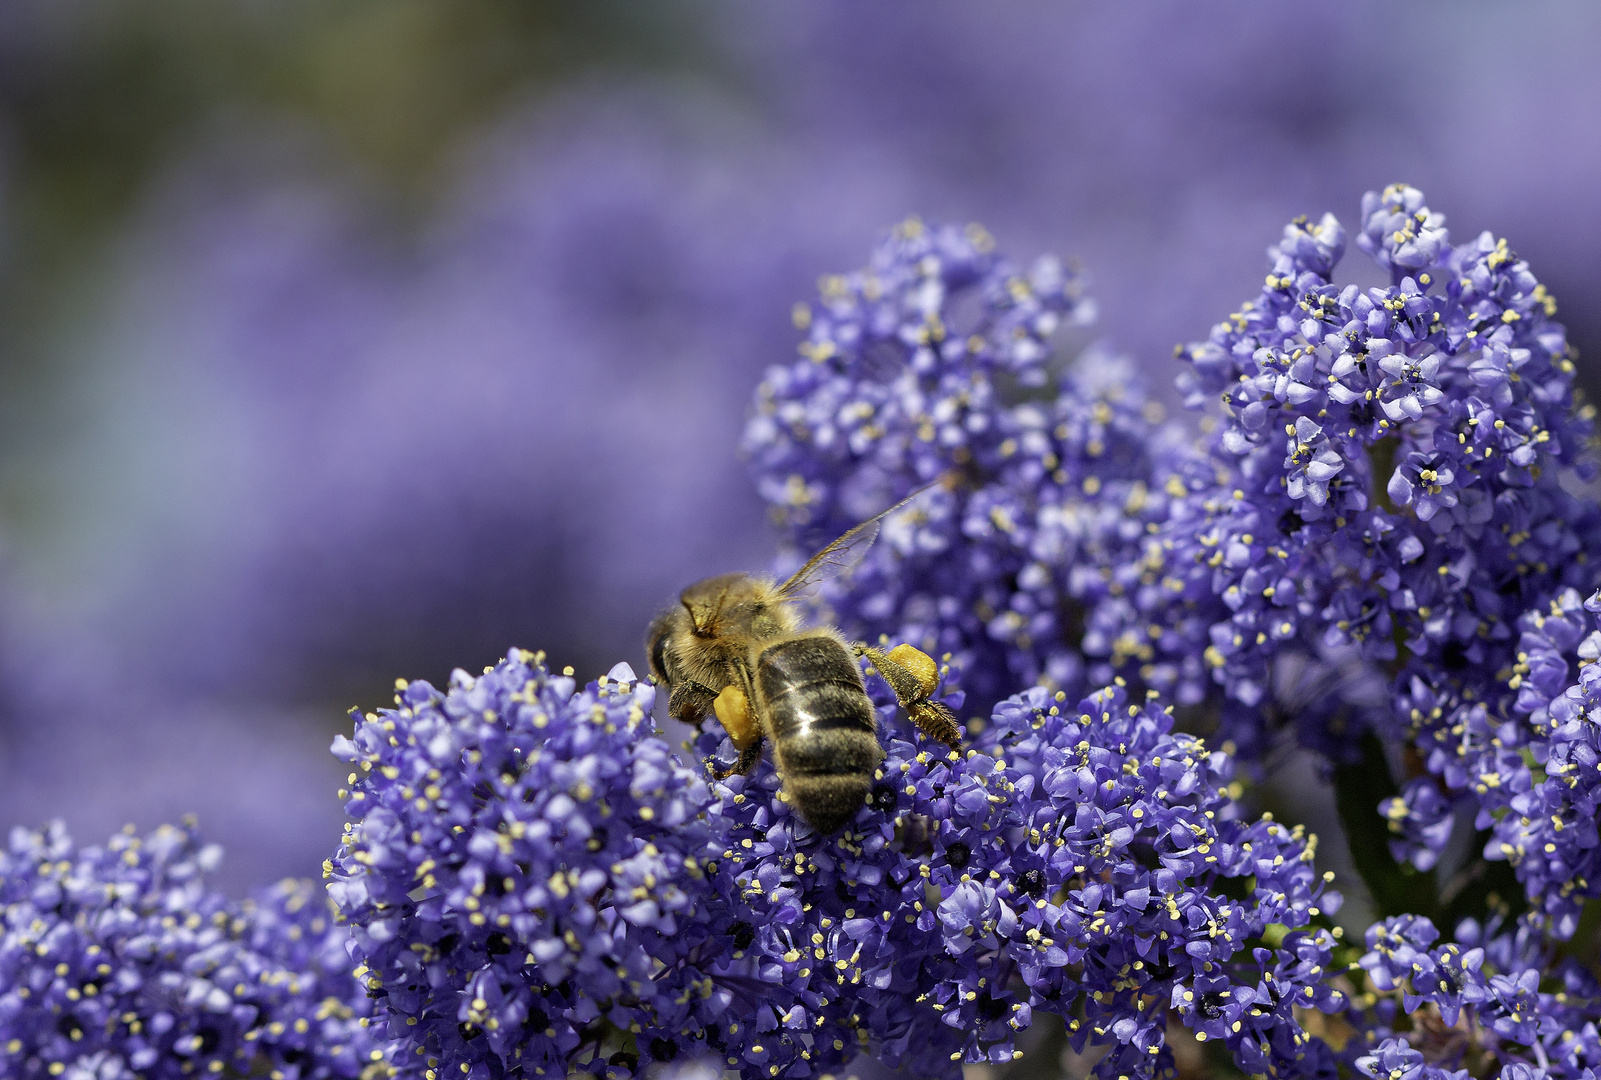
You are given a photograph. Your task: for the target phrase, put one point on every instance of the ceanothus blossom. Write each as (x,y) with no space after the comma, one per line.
(1393,485)
(525,871)
(1530,757)
(1492,997)
(1394,1059)
(1085,858)
(1519,746)
(121,961)
(1396,453)
(943,360)
(536,883)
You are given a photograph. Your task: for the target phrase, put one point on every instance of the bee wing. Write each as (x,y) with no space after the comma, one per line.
(843,553)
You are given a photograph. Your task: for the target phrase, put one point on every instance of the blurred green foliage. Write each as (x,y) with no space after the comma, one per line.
(96,98)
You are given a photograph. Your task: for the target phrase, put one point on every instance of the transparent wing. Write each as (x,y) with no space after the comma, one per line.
(843,553)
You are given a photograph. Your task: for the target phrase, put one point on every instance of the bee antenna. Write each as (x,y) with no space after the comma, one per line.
(693,621)
(722,597)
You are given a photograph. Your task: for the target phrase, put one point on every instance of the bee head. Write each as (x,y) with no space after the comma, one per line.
(717,608)
(720,605)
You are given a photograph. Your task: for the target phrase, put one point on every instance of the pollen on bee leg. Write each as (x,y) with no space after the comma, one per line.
(733,712)
(918,664)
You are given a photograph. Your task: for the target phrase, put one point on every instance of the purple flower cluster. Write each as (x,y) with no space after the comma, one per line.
(1171,891)
(1489,998)
(535,882)
(1451,407)
(1386,493)
(943,360)
(1530,759)
(120,961)
(525,874)
(1087,861)
(1390,459)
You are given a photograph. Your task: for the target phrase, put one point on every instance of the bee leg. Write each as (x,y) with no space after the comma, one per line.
(733,711)
(748,757)
(689,701)
(913,675)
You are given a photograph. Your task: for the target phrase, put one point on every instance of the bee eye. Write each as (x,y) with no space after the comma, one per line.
(658,657)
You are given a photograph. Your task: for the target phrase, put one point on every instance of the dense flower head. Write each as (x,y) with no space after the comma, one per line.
(1528,755)
(1391,496)
(535,883)
(1390,458)
(120,961)
(943,361)
(525,860)
(1137,825)
(1088,861)
(1385,485)
(1494,996)
(1519,746)
(895,381)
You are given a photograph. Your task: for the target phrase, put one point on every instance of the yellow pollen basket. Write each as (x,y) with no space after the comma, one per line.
(919,664)
(733,712)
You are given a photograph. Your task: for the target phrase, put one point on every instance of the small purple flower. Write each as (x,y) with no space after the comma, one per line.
(1394,947)
(1400,232)
(1423,819)
(1424,482)
(1394,1059)
(1312,462)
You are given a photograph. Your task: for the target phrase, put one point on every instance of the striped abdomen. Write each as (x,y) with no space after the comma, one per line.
(824,730)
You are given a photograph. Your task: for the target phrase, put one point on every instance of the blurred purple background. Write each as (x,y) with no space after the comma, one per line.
(346,345)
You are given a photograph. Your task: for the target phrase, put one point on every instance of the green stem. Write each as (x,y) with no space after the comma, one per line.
(1359,788)
(1381,464)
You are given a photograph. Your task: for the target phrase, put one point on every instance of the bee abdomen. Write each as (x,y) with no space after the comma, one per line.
(825,733)
(812,685)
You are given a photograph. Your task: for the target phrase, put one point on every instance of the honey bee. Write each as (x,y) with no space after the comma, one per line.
(734,645)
